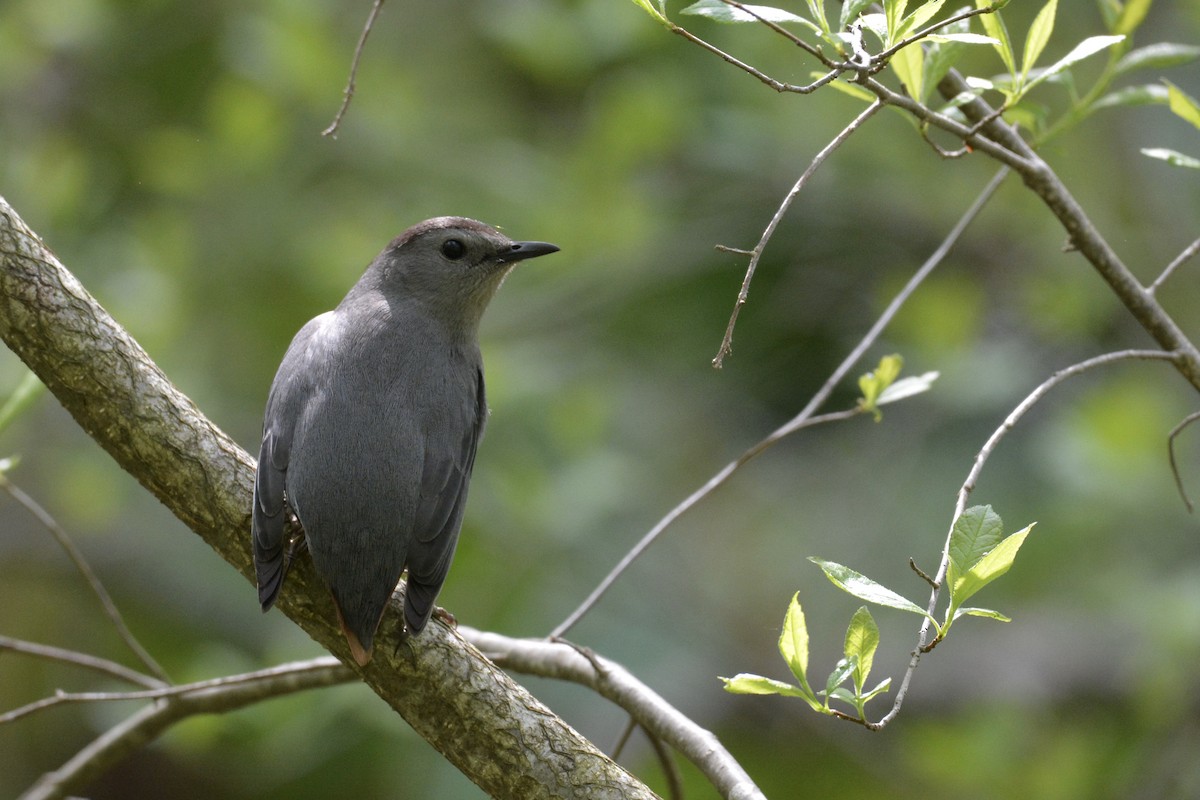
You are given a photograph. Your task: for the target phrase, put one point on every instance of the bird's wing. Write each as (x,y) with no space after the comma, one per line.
(289,393)
(444,482)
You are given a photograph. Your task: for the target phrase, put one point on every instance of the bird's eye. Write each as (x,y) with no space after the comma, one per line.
(453,249)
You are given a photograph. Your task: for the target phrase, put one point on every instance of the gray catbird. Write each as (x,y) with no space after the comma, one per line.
(372,424)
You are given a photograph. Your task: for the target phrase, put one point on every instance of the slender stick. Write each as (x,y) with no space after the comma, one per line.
(73,552)
(756,253)
(332,130)
(923,643)
(803,419)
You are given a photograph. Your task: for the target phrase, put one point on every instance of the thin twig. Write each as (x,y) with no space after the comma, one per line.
(804,418)
(64,541)
(270,676)
(930,30)
(148,723)
(332,130)
(1178,262)
(923,642)
(622,740)
(695,497)
(756,253)
(670,768)
(1178,429)
(85,660)
(777,85)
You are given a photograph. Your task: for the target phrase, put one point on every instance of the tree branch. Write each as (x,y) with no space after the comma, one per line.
(489,727)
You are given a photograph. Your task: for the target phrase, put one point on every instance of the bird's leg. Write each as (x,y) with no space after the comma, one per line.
(296,543)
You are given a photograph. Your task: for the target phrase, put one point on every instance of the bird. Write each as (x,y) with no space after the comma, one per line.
(372,424)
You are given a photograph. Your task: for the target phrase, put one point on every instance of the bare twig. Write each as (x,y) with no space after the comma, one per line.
(1178,262)
(271,682)
(695,497)
(670,768)
(332,130)
(756,253)
(85,660)
(930,30)
(1178,429)
(923,642)
(145,725)
(73,552)
(613,682)
(804,418)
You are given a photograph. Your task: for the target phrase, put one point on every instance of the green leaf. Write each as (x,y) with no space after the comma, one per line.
(982,612)
(1131,16)
(793,642)
(22,397)
(909,63)
(841,671)
(1133,96)
(907,387)
(873,383)
(745,683)
(961,38)
(994,27)
(850,11)
(1162,55)
(722,12)
(864,588)
(817,9)
(658,13)
(976,531)
(862,639)
(852,89)
(881,687)
(921,15)
(1089,46)
(1172,157)
(988,568)
(1038,36)
(893,11)
(1183,105)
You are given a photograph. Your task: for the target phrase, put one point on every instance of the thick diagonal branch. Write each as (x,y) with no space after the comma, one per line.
(489,727)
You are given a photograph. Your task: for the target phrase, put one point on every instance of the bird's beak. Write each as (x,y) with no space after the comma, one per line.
(519,251)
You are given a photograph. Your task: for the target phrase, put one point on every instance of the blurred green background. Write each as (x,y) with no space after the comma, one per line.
(169,154)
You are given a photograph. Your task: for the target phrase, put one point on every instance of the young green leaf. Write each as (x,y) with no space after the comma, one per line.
(994,27)
(909,63)
(873,383)
(841,671)
(745,683)
(793,642)
(1162,55)
(988,568)
(1182,104)
(893,11)
(881,687)
(1089,46)
(723,12)
(817,9)
(850,11)
(862,638)
(976,532)
(28,390)
(1172,157)
(1131,16)
(864,588)
(658,13)
(982,612)
(1133,96)
(1038,36)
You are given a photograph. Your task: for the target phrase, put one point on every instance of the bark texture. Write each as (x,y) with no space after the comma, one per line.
(489,727)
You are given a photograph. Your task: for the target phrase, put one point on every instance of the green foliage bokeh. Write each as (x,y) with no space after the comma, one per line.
(170,155)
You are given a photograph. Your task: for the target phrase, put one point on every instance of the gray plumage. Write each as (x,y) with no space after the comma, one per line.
(372,424)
